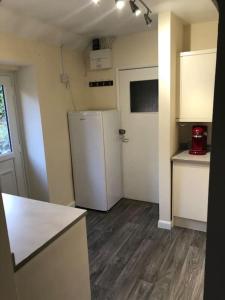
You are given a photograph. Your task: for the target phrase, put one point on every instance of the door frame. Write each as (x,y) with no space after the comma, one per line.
(12,78)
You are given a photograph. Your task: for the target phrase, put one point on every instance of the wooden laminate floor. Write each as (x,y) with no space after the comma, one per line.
(130,258)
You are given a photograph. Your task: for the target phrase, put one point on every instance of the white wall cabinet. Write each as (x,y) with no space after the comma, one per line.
(197,81)
(190,190)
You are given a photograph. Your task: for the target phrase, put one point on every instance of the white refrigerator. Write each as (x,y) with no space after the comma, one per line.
(96,158)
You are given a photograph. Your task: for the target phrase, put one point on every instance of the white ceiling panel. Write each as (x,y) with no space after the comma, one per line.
(74,21)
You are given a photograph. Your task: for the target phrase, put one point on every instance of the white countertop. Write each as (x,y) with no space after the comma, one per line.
(34,224)
(185,156)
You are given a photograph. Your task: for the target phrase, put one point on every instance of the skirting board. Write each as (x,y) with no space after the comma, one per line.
(168,225)
(72,204)
(190,224)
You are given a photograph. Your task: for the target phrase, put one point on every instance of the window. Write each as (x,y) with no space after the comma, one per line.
(144,96)
(5,143)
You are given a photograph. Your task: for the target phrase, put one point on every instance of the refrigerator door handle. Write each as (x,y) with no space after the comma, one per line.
(125,140)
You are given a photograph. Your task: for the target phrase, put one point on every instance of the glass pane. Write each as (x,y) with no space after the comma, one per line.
(144,96)
(5,143)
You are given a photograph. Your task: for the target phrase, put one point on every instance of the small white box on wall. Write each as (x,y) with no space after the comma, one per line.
(101,59)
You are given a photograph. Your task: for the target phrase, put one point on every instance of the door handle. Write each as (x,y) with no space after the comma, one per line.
(122,133)
(125,140)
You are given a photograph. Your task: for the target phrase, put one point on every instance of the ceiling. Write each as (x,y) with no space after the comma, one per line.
(74,22)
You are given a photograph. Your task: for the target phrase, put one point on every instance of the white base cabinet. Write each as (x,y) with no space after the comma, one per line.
(49,243)
(190,190)
(60,271)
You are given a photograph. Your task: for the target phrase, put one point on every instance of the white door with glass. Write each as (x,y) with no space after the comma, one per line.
(12,175)
(138,102)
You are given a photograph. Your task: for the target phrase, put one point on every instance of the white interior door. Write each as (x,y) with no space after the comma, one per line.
(138,101)
(12,175)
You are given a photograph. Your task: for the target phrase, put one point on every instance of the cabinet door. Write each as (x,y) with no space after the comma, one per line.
(197,87)
(190,191)
(60,271)
(86,134)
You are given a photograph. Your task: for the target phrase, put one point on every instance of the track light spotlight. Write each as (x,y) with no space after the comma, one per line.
(120,4)
(96,1)
(135,9)
(138,12)
(148,19)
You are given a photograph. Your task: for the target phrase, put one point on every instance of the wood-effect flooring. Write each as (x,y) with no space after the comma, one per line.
(130,258)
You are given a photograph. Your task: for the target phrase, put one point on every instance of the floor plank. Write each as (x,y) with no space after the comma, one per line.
(130,258)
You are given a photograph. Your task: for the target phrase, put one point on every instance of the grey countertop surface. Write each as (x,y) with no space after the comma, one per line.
(32,225)
(186,157)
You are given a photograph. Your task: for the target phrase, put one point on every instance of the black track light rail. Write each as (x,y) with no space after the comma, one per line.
(146,6)
(147,15)
(136,10)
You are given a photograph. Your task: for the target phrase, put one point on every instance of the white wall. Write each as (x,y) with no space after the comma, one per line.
(137,49)
(33,144)
(201,36)
(177,46)
(140,49)
(54,101)
(170,44)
